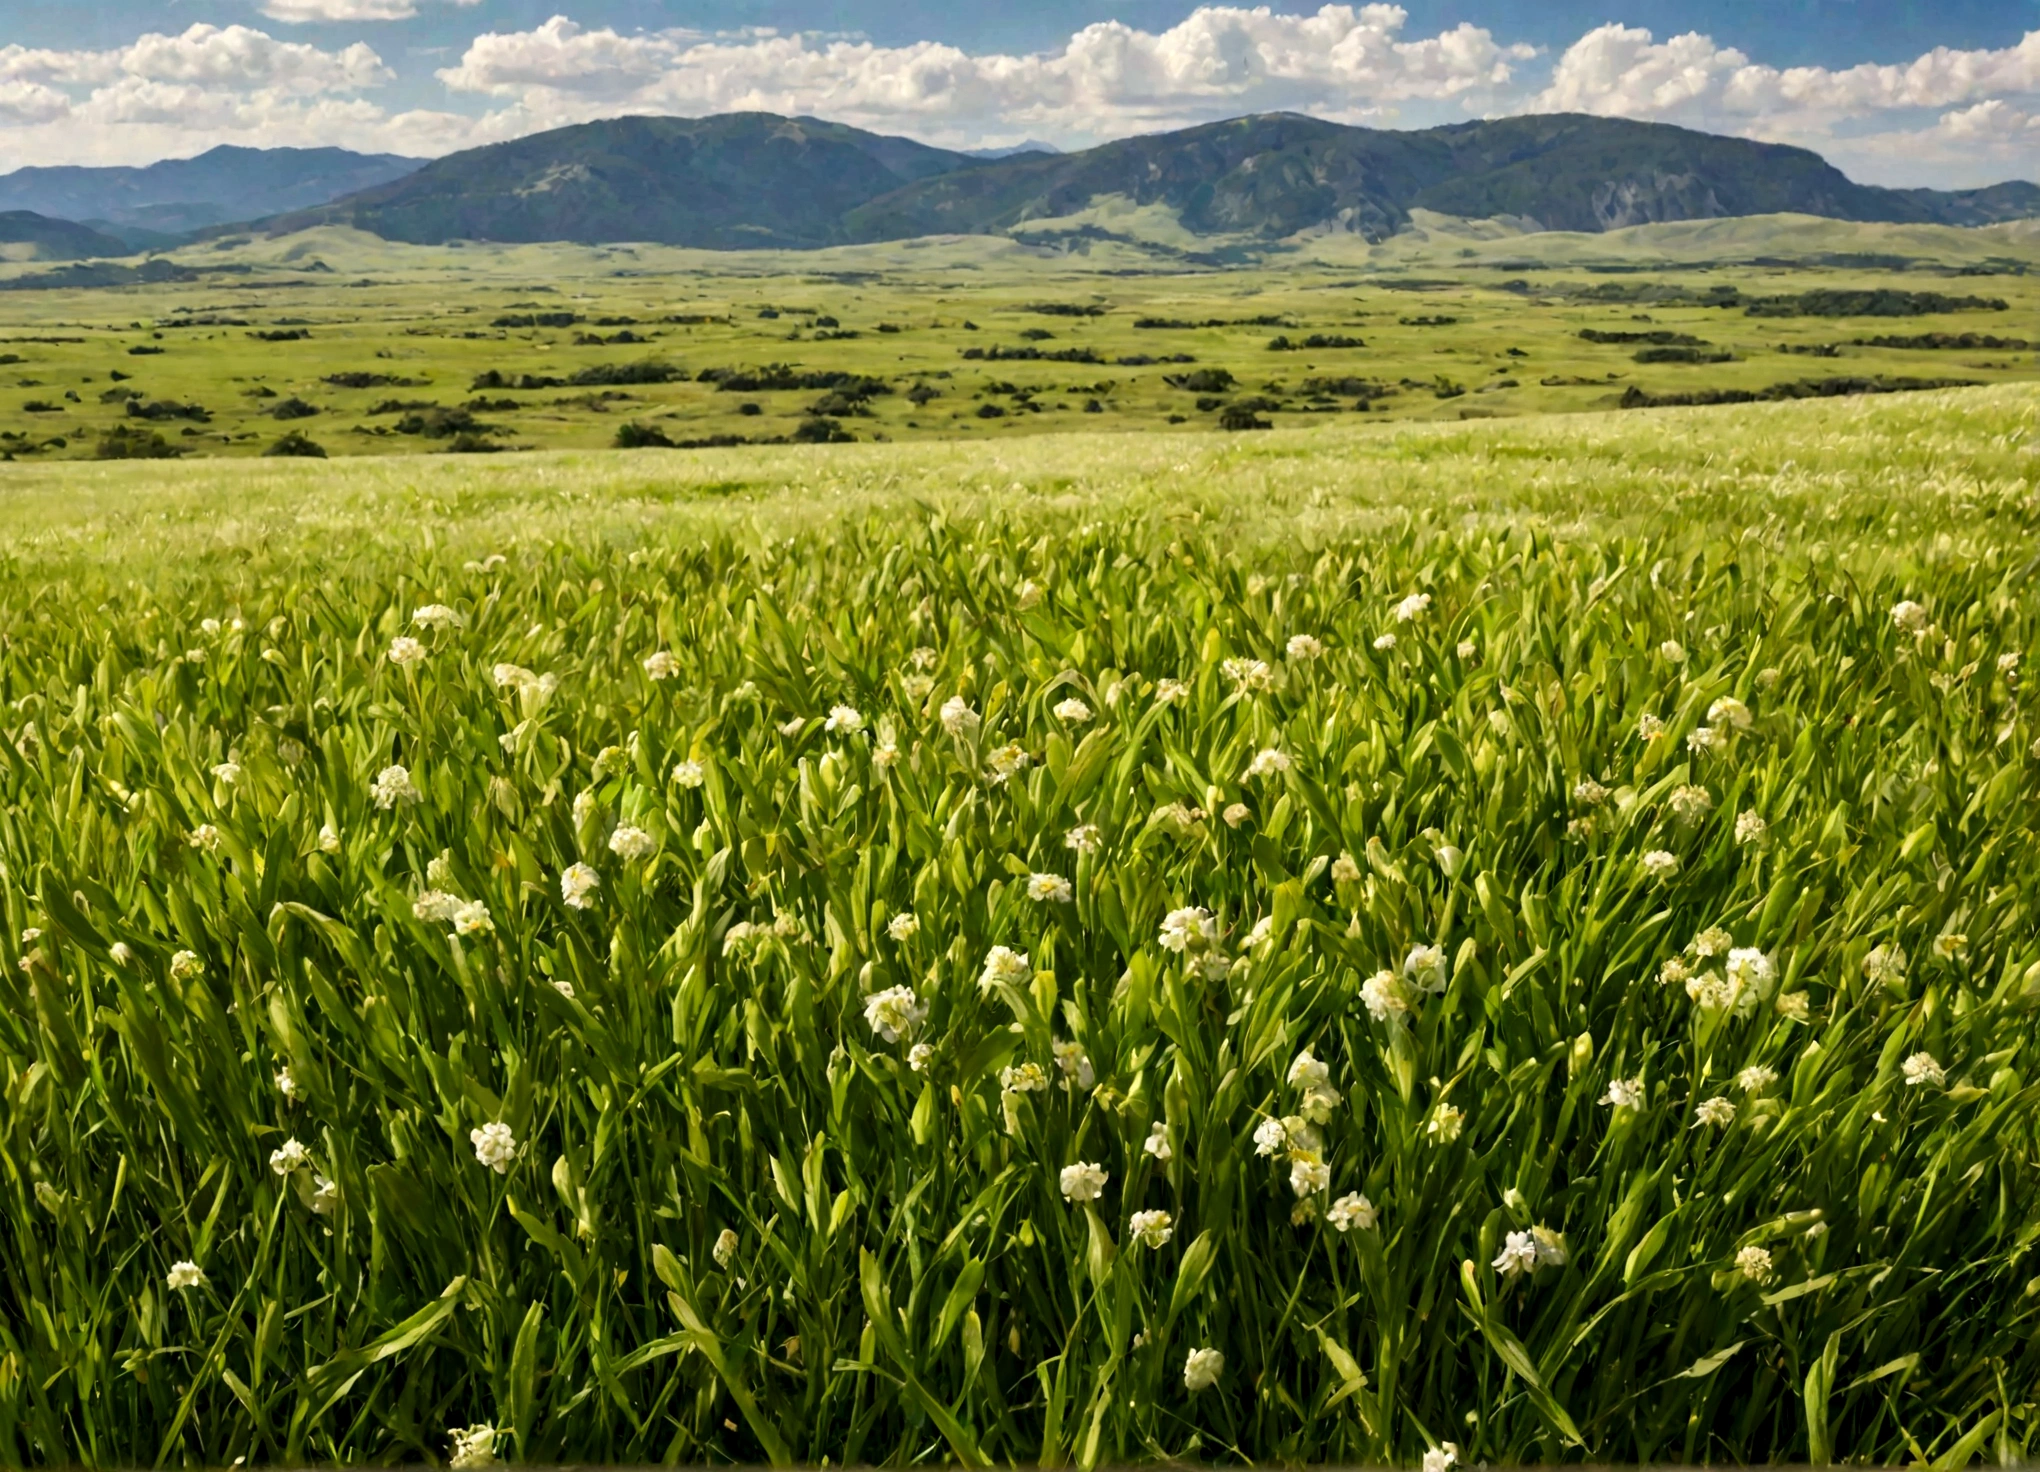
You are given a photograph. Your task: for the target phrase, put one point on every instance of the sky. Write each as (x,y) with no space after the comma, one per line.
(1894,92)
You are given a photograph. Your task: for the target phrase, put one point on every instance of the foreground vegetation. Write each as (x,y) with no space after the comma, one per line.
(339,344)
(1475,942)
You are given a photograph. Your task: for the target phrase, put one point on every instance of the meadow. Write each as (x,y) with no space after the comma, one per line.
(1384,943)
(332,341)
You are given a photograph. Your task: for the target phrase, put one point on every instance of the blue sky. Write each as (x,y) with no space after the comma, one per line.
(1894,91)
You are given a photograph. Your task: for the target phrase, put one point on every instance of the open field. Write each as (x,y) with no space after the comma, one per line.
(1110,321)
(1309,946)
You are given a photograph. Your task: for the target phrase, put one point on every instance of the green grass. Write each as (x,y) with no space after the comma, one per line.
(426,318)
(688,1054)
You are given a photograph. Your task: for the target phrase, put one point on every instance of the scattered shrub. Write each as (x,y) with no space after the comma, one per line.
(167,409)
(124,442)
(1240,417)
(285,334)
(296,445)
(1203,381)
(822,432)
(293,408)
(635,436)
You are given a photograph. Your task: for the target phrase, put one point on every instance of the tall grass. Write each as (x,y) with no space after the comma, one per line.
(735,1222)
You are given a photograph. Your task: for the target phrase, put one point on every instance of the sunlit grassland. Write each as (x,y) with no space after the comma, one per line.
(1371,748)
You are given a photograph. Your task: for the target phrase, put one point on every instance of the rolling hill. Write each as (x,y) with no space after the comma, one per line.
(178,196)
(26,236)
(753,180)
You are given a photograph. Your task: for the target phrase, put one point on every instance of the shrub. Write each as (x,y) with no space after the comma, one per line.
(467,443)
(293,408)
(168,409)
(1240,417)
(296,445)
(1203,381)
(822,432)
(123,442)
(635,436)
(286,334)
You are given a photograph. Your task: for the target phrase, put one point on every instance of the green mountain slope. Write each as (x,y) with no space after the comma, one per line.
(26,236)
(741,180)
(752,179)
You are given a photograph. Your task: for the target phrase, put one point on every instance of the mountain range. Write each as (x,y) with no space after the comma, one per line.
(164,202)
(758,180)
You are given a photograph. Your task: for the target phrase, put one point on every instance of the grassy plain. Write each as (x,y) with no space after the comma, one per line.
(470,1046)
(1451,321)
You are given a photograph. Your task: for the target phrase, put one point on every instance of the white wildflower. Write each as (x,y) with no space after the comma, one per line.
(1152,1228)
(1236,814)
(632,844)
(725,1248)
(689,774)
(958,719)
(405,650)
(1467,650)
(1303,647)
(1167,692)
(1075,1063)
(1414,606)
(1441,1457)
(1002,763)
(205,838)
(661,665)
(1713,941)
(1383,994)
(120,952)
(1345,870)
(1084,839)
(1158,1143)
(1950,944)
(185,1275)
(1248,674)
(1083,1181)
(1660,863)
(1270,1138)
(286,1083)
(473,919)
(495,1146)
(393,785)
(1425,968)
(1588,793)
(325,1196)
(1268,763)
(1730,713)
(473,1446)
(1624,1093)
(1910,617)
(184,965)
(1074,711)
(1649,727)
(1353,1212)
(1003,964)
(1049,889)
(1922,1070)
(1446,1124)
(1306,1072)
(1518,1255)
(1672,651)
(843,720)
(1754,1263)
(1383,643)
(1756,1078)
(1749,828)
(894,1013)
(1702,739)
(435,907)
(1718,1112)
(1188,931)
(1795,1006)
(435,616)
(227,772)
(288,1157)
(920,1056)
(1202,1369)
(578,885)
(1690,804)
(1308,1177)
(1025,1078)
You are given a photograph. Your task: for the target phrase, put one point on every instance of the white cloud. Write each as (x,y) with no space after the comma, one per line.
(304,12)
(1109,78)
(1946,117)
(1625,72)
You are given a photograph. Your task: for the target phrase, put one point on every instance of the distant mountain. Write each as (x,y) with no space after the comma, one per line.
(743,180)
(753,179)
(179,196)
(1014,150)
(25,236)
(1281,174)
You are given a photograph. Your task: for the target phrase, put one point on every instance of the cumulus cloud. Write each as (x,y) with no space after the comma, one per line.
(303,12)
(1624,71)
(1108,79)
(1944,117)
